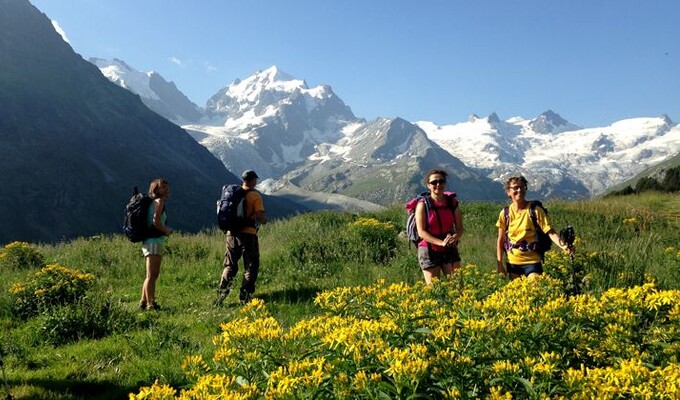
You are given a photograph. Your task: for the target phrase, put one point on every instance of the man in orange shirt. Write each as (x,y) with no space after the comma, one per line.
(244,243)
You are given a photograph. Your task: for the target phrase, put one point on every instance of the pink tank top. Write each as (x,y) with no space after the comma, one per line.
(445,213)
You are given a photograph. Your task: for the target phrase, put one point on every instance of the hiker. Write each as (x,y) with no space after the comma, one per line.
(523,256)
(244,242)
(440,231)
(152,248)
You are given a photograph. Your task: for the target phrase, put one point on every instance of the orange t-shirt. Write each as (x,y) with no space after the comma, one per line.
(251,205)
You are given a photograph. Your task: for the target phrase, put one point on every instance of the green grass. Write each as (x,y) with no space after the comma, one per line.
(300,257)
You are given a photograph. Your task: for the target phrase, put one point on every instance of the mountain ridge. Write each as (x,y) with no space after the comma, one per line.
(560,159)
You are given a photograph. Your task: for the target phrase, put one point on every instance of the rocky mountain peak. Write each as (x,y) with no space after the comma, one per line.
(666,119)
(549,122)
(493,118)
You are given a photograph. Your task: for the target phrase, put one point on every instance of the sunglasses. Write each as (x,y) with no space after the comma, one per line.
(437,182)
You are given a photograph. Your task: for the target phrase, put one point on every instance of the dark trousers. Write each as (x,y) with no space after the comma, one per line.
(246,245)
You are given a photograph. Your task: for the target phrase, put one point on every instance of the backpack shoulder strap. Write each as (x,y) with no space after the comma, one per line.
(506,216)
(532,213)
(452,199)
(425,196)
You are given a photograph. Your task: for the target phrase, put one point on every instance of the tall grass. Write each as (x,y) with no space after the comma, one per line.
(627,241)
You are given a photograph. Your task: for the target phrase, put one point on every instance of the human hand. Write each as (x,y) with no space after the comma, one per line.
(500,268)
(450,240)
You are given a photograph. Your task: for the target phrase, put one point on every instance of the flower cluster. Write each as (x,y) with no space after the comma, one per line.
(20,255)
(473,336)
(378,237)
(53,285)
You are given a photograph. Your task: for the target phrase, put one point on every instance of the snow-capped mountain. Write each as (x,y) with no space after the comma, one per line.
(560,159)
(308,137)
(271,120)
(159,95)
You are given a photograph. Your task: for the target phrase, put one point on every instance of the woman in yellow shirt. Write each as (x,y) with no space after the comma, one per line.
(520,243)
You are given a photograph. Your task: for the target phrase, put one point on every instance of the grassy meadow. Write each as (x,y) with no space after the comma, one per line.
(71,328)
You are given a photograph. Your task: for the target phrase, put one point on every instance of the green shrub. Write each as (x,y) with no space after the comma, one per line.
(52,286)
(375,241)
(20,255)
(88,318)
(187,250)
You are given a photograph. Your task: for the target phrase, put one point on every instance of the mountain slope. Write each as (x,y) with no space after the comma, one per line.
(72,144)
(384,161)
(657,171)
(159,95)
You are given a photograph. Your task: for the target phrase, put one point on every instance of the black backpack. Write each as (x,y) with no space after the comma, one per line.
(136,226)
(230,209)
(543,242)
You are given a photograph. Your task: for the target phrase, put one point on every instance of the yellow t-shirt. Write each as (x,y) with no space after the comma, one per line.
(252,204)
(522,228)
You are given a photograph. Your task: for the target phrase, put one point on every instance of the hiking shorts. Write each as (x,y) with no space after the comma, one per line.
(525,270)
(152,249)
(428,258)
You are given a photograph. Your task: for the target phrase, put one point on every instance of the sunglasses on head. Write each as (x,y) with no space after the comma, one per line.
(437,182)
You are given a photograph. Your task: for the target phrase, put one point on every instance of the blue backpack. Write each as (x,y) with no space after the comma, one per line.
(230,209)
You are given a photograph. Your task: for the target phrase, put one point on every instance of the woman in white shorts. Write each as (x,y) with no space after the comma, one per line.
(152,248)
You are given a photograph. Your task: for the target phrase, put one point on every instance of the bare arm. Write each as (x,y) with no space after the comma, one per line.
(158,205)
(500,249)
(422,232)
(555,237)
(458,222)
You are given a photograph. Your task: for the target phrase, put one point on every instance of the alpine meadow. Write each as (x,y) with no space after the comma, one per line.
(340,312)
(572,105)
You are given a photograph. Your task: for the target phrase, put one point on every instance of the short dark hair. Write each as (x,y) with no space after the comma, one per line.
(520,179)
(434,171)
(248,175)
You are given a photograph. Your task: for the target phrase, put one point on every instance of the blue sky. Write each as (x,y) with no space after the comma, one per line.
(593,62)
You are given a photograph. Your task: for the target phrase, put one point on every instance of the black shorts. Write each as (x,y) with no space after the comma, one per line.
(428,258)
(525,270)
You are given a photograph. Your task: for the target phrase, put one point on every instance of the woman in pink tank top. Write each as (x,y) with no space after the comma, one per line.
(440,225)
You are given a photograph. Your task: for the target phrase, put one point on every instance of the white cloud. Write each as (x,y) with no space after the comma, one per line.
(60,31)
(209,67)
(176,61)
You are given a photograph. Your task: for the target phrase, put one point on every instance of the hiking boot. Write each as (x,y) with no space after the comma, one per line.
(221,295)
(142,305)
(244,297)
(153,306)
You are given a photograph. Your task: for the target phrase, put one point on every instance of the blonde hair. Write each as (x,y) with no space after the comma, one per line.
(156,186)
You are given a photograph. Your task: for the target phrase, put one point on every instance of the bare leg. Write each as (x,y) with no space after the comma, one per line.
(431,273)
(153,270)
(534,275)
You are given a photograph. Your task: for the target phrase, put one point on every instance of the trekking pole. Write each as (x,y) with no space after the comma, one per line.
(568,236)
(4,376)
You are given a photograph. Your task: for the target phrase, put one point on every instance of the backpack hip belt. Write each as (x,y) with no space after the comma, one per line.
(521,246)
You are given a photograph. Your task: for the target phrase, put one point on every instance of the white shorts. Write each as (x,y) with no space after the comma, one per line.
(152,249)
